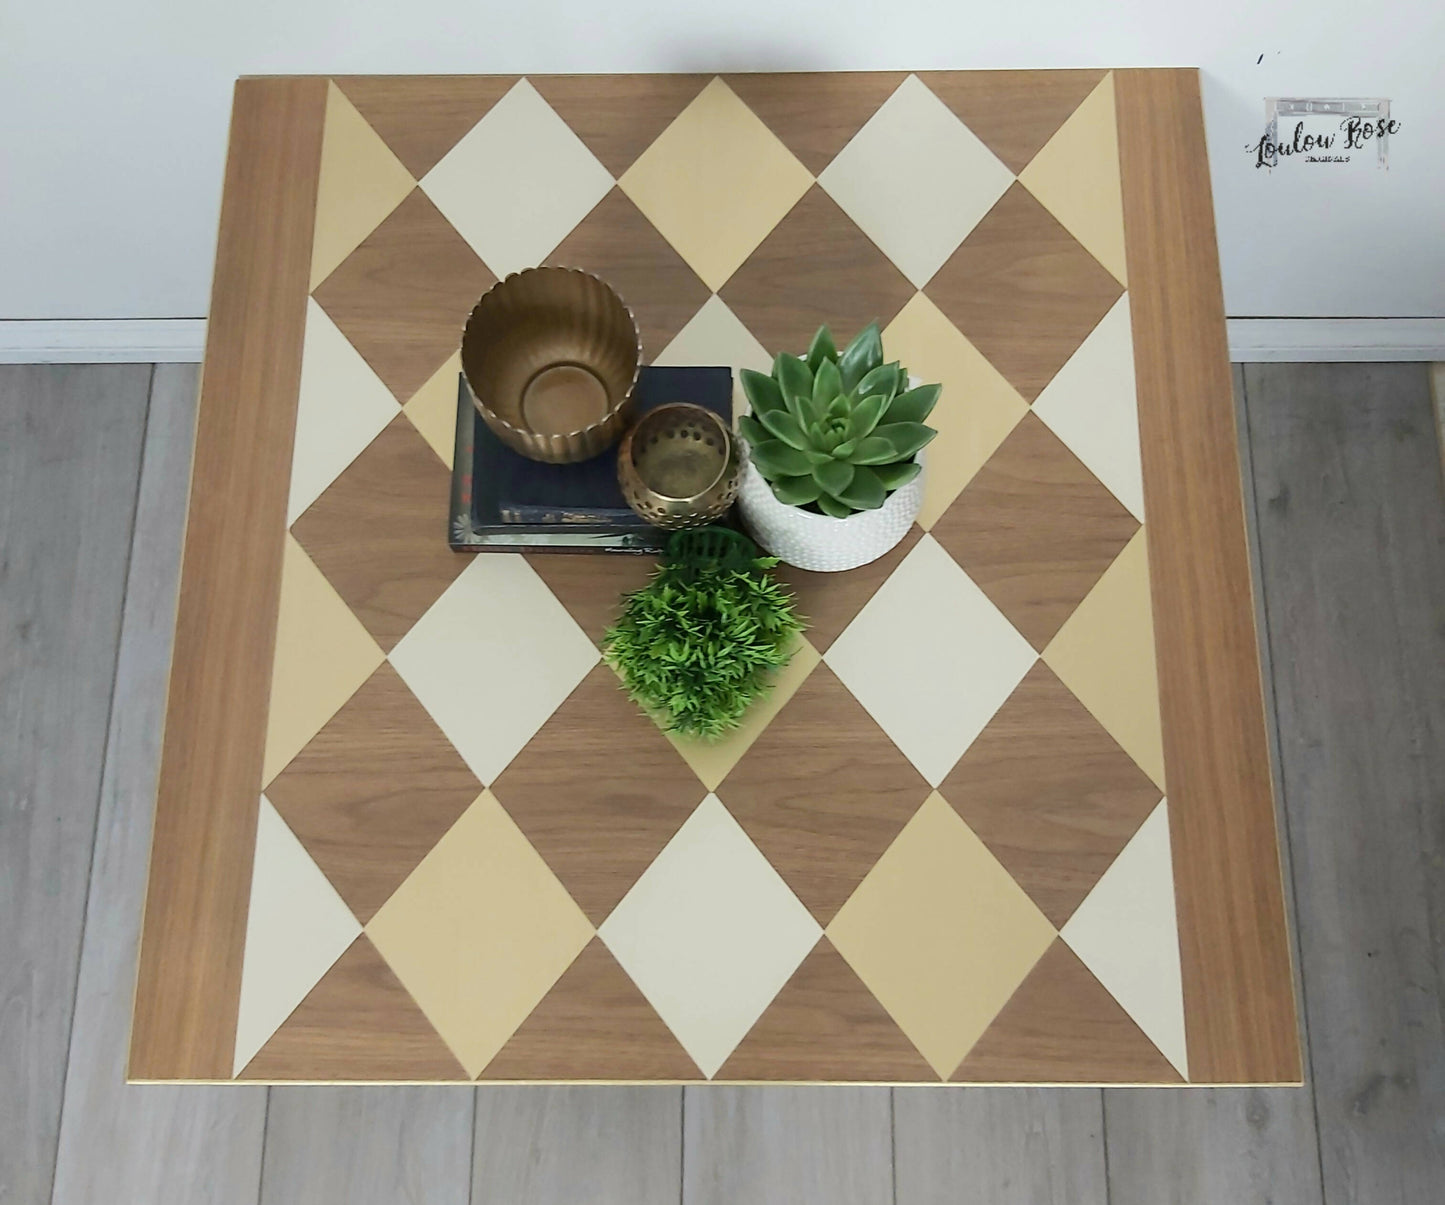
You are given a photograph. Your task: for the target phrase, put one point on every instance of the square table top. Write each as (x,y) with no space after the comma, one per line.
(1006,816)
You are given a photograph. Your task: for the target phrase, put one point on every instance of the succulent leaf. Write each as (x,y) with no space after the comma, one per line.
(753,431)
(884,379)
(895,475)
(915,405)
(827,387)
(795,379)
(822,348)
(873,449)
(861,356)
(776,459)
(905,438)
(831,506)
(844,451)
(865,492)
(797,491)
(866,414)
(834,475)
(763,392)
(785,426)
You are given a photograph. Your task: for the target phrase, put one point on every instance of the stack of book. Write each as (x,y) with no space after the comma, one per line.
(502,500)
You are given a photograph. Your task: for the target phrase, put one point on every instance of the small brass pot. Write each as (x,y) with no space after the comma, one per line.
(679,466)
(550,356)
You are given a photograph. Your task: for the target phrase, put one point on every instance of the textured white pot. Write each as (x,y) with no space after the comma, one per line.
(821,542)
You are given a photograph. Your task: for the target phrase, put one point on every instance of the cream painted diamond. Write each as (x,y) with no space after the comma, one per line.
(494,657)
(931,659)
(517,182)
(341,407)
(715,335)
(916,180)
(1091,405)
(710,933)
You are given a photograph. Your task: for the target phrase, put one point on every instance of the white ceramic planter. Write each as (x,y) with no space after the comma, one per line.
(820,542)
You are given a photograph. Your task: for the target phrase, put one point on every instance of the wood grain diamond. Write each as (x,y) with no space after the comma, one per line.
(815,267)
(1023,290)
(376,533)
(1014,113)
(599,792)
(403,295)
(374,791)
(1035,529)
(1050,793)
(823,792)
(620,245)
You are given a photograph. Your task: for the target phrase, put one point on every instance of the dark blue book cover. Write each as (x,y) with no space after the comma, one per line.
(511,491)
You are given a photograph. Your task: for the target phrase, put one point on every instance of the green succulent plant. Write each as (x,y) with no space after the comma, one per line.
(837,431)
(706,636)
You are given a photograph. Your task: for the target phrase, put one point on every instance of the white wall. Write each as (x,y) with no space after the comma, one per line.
(113,116)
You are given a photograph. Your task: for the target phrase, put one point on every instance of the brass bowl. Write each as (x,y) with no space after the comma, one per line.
(679,466)
(550,357)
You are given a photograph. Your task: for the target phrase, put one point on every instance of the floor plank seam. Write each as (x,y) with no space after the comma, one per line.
(100,783)
(265,1137)
(1104,1144)
(472,1156)
(893,1140)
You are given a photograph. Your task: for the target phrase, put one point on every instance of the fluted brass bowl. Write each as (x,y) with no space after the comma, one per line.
(550,356)
(679,466)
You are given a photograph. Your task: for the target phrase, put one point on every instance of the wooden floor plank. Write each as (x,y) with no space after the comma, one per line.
(775,1146)
(1352,531)
(604,1146)
(368,1146)
(201,1146)
(70,449)
(999,1146)
(1221,1147)
(1211,1146)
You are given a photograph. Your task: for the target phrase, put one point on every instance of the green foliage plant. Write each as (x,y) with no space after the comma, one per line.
(703,639)
(837,432)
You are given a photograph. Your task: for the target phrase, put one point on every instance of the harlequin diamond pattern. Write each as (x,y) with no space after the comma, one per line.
(1035,529)
(404,293)
(953,180)
(1050,793)
(551,888)
(815,267)
(372,532)
(374,791)
(619,244)
(599,792)
(1023,291)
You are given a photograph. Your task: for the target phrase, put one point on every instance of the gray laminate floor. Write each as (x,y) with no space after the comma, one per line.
(1343,481)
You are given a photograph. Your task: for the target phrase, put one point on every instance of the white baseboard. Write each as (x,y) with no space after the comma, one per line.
(181,340)
(103,341)
(1333,339)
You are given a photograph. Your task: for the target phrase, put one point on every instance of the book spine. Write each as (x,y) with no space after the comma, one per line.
(576,516)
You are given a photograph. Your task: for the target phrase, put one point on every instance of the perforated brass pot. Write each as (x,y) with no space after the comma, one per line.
(550,356)
(679,466)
